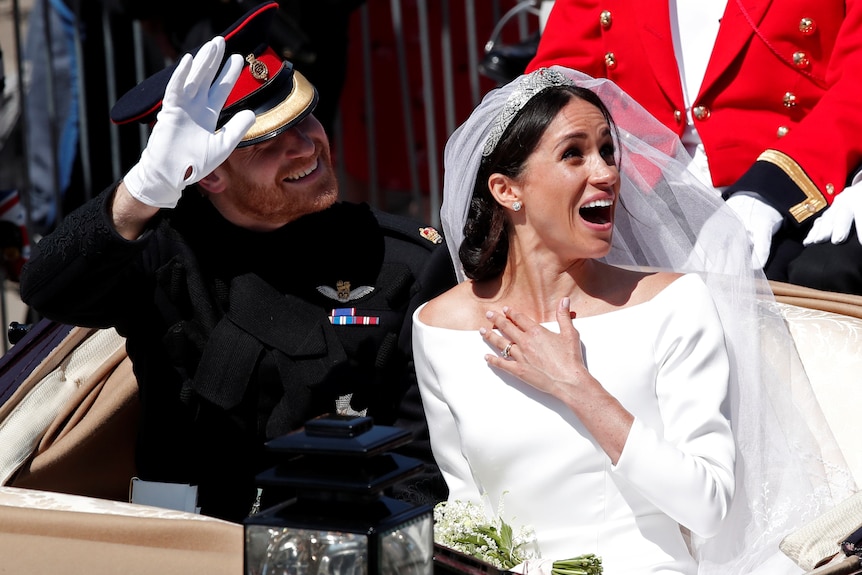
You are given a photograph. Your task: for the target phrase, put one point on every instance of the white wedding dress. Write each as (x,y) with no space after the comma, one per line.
(665,360)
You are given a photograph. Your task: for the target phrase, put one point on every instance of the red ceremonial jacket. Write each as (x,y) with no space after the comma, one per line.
(778,109)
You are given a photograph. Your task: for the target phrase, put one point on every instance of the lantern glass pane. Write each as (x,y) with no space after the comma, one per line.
(290,551)
(409,548)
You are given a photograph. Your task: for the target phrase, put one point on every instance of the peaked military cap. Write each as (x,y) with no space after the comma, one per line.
(279,95)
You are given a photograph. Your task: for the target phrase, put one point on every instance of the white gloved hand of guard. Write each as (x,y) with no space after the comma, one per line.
(761,221)
(184,146)
(835,222)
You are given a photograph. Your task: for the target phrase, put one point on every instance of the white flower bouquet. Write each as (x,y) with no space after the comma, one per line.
(464,527)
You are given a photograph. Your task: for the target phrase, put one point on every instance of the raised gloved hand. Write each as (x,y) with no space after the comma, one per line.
(835,222)
(761,221)
(184,146)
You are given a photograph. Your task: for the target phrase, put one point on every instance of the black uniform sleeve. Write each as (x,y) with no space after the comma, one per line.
(777,189)
(84,273)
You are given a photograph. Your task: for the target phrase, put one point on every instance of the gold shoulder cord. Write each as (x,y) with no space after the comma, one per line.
(814,200)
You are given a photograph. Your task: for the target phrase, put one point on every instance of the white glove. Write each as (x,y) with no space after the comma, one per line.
(761,221)
(184,146)
(836,220)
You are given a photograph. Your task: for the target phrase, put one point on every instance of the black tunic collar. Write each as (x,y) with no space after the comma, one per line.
(341,243)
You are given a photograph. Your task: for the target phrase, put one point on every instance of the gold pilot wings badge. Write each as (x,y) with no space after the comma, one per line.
(343,293)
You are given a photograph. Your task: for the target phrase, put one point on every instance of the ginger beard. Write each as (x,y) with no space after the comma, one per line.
(283,198)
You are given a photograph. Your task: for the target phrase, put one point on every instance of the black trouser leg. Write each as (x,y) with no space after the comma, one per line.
(829,267)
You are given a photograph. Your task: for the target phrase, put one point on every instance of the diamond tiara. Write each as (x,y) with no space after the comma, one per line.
(527,87)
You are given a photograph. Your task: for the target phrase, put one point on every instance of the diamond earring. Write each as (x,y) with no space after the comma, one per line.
(516,206)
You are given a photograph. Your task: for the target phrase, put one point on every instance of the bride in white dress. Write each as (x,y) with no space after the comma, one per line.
(614,410)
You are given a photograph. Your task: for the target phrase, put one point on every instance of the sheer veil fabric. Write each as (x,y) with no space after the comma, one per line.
(789,469)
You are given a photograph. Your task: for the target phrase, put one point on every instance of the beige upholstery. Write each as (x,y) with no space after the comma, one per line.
(827,330)
(830,346)
(70,426)
(44,532)
(840,303)
(36,404)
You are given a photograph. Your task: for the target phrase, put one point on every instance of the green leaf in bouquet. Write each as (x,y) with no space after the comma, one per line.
(465,528)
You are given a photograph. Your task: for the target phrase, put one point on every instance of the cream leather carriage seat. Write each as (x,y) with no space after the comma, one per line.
(827,331)
(47,532)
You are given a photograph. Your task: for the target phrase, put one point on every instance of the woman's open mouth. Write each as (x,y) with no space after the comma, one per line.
(597,211)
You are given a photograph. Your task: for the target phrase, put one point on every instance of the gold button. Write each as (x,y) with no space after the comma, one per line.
(789,99)
(611,60)
(677,115)
(782,131)
(800,60)
(605,19)
(830,189)
(807,26)
(701,112)
(811,206)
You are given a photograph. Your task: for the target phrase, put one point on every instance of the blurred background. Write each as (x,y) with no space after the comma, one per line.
(395,77)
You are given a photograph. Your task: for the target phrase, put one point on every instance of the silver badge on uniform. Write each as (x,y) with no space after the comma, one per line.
(342,406)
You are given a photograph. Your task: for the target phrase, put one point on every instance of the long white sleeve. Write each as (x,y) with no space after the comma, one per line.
(442,428)
(683,460)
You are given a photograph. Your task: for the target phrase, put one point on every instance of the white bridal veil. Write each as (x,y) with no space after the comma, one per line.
(789,469)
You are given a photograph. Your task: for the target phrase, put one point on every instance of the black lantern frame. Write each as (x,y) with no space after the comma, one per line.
(340,521)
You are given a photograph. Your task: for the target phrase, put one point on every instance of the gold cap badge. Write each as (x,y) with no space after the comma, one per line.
(258,69)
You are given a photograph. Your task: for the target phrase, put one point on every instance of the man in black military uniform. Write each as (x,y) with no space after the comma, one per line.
(251,301)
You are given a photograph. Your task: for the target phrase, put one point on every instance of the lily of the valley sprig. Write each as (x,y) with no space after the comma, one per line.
(464,527)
